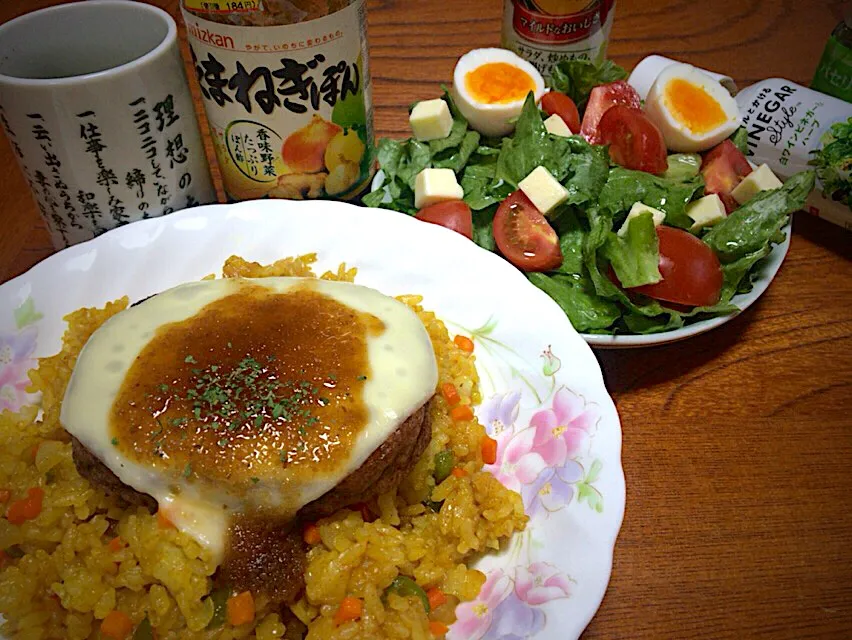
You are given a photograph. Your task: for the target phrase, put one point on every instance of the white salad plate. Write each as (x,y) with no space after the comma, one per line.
(763,274)
(558,433)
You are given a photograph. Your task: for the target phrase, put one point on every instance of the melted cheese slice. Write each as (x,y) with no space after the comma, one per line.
(402,377)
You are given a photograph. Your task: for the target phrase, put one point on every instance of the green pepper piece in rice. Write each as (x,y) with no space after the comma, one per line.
(406,587)
(144,631)
(444,463)
(220,607)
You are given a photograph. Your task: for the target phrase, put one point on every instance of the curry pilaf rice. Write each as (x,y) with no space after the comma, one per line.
(86,566)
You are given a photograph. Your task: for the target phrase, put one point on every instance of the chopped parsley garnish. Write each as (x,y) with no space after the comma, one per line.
(114,442)
(230,398)
(361,378)
(255,480)
(187,470)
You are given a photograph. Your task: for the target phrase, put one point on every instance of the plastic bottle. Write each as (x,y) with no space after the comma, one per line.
(787,124)
(547,31)
(834,72)
(286,87)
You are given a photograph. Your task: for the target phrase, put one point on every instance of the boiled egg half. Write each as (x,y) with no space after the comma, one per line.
(693,110)
(490,86)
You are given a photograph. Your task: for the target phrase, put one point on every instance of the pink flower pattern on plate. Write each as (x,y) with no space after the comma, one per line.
(541,582)
(474,618)
(16,351)
(562,430)
(542,461)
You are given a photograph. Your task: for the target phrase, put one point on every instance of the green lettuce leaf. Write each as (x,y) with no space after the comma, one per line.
(414,156)
(576,78)
(588,170)
(454,151)
(530,147)
(635,257)
(480,189)
(740,140)
(482,228)
(626,187)
(734,273)
(456,158)
(402,160)
(582,168)
(584,308)
(682,166)
(759,221)
(374,198)
(572,236)
(457,133)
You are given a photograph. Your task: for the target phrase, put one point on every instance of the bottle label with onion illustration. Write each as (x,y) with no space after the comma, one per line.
(289,105)
(547,31)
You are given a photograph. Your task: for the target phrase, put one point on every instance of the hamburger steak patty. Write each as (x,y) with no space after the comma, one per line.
(92,469)
(283,548)
(383,470)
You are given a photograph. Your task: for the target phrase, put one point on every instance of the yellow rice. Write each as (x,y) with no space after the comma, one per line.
(68,580)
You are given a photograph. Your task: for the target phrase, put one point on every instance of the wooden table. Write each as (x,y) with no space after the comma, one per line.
(737,443)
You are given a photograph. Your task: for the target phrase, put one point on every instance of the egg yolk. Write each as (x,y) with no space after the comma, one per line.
(691,105)
(498,83)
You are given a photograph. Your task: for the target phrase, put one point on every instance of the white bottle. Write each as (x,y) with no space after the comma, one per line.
(785,123)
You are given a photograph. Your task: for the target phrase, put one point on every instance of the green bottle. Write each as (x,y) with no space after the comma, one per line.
(834,71)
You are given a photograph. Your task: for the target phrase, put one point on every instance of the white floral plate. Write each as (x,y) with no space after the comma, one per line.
(559,438)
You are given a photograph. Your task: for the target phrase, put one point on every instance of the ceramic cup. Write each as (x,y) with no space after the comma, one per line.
(95,103)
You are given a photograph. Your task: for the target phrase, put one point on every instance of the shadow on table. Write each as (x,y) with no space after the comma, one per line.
(628,369)
(824,233)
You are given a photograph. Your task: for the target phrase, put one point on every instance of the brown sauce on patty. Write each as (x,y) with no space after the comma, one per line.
(257,386)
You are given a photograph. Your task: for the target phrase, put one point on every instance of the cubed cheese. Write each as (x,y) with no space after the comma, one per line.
(431,120)
(556,125)
(638,208)
(543,190)
(761,179)
(436,185)
(706,211)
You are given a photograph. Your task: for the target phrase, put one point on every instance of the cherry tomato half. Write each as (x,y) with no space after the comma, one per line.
(601,99)
(563,106)
(634,141)
(524,236)
(691,271)
(454,215)
(723,168)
